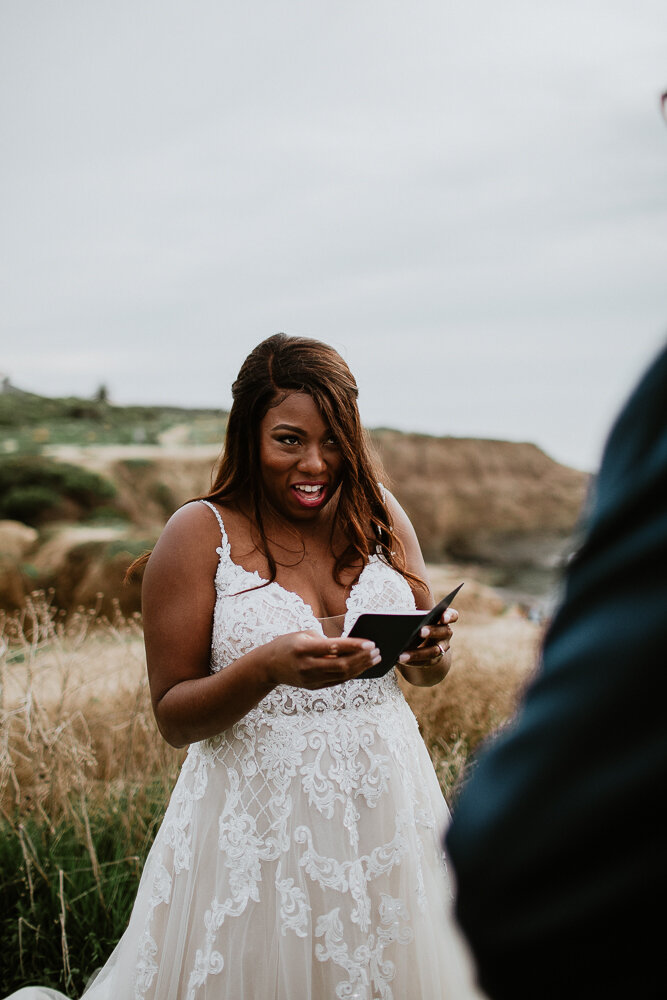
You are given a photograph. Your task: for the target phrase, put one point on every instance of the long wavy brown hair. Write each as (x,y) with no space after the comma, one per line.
(276,367)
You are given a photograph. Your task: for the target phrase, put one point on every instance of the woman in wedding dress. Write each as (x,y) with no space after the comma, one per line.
(300,856)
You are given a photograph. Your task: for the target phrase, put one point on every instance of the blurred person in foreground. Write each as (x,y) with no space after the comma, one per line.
(559,840)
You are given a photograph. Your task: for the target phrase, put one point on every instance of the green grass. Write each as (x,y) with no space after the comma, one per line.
(29,423)
(67,890)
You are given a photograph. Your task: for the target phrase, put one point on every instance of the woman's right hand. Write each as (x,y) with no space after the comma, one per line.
(310,660)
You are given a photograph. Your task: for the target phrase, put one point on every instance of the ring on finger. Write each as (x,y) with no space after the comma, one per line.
(440,656)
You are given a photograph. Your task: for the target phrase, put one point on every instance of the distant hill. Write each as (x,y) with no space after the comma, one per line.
(29,421)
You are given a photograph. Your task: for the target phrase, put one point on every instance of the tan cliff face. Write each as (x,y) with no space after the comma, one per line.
(476,501)
(483,500)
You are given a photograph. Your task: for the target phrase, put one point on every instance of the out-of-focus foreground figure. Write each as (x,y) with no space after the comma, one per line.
(559,840)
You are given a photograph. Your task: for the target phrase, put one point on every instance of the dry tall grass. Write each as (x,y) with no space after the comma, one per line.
(75,715)
(492,662)
(76,721)
(84,774)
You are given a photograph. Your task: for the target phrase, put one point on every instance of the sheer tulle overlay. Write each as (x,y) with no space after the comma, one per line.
(300,855)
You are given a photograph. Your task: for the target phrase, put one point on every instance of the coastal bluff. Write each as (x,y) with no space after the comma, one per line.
(481,500)
(502,506)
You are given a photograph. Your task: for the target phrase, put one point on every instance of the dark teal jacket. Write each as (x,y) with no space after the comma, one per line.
(559,839)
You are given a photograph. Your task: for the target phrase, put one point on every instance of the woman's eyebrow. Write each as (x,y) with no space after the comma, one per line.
(295,429)
(288,427)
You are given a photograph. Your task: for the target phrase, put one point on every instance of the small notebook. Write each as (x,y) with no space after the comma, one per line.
(394,633)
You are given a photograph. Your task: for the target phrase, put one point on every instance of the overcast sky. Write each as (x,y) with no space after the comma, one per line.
(469,200)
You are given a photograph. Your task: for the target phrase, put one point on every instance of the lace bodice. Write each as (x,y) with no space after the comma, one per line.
(246,618)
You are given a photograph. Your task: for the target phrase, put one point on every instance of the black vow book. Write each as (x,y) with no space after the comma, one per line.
(395,632)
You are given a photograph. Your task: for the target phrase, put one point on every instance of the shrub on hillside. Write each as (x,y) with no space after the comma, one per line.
(34,489)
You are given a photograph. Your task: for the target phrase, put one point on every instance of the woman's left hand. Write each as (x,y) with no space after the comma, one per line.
(429,662)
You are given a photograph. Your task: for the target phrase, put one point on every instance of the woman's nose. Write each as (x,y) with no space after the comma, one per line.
(312,461)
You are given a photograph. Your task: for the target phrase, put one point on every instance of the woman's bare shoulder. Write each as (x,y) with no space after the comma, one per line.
(197,513)
(196,523)
(191,535)
(401,522)
(414,560)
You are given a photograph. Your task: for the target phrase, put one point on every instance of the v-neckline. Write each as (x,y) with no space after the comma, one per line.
(292,593)
(226,550)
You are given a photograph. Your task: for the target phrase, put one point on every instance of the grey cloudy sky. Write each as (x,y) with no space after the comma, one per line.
(468,199)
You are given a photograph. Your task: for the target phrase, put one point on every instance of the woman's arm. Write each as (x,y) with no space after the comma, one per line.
(424,666)
(178,599)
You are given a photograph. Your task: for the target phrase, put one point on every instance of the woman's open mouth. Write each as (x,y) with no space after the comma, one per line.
(309,494)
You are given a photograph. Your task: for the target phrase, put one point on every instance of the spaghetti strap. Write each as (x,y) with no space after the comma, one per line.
(225,540)
(383,493)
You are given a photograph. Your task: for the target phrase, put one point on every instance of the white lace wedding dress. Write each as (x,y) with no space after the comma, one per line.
(300,856)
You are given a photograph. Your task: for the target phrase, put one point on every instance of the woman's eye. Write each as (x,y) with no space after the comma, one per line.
(332,442)
(289,439)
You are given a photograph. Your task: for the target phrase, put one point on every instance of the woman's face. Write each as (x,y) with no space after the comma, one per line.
(300,461)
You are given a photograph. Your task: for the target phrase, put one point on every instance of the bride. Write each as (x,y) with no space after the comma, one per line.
(300,856)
